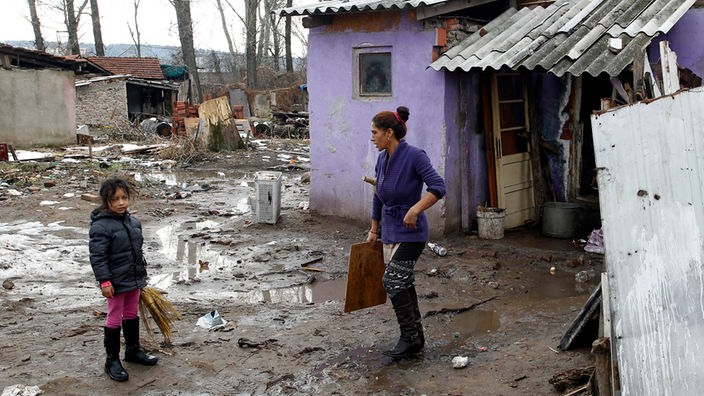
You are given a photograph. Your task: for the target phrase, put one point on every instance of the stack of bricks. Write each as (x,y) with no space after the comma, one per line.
(182,110)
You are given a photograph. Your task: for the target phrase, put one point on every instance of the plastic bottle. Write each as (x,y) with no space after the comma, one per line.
(437,249)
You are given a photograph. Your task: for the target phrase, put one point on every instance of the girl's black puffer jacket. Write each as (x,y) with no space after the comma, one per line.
(116,250)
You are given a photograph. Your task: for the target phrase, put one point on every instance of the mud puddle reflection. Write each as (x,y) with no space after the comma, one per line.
(252,273)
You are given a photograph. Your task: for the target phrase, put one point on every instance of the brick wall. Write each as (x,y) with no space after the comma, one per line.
(102,103)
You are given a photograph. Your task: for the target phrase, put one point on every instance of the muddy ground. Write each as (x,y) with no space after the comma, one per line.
(280,287)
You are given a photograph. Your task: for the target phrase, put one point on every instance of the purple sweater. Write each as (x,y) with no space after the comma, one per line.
(400,187)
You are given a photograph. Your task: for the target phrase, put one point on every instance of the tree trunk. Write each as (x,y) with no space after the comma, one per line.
(251,41)
(72,25)
(287,40)
(38,39)
(274,28)
(97,32)
(230,45)
(185,33)
(264,35)
(136,37)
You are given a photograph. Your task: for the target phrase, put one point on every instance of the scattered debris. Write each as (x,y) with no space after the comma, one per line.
(459,362)
(458,310)
(22,390)
(90,197)
(595,242)
(211,321)
(247,343)
(571,379)
(587,319)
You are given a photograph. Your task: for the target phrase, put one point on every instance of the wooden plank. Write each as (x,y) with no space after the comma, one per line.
(585,315)
(670,74)
(366,269)
(608,333)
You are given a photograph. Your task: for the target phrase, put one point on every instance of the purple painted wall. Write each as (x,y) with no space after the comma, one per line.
(686,40)
(341,152)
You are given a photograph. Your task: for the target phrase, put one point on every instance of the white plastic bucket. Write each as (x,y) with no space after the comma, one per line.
(490,223)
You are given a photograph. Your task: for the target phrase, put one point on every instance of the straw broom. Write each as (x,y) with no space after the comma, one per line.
(160,309)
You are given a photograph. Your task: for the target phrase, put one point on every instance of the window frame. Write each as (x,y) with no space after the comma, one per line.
(359,75)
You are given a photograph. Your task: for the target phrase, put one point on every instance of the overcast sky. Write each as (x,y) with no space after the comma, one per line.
(156,18)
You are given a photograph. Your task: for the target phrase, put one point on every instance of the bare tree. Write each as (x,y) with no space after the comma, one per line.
(72,25)
(250,25)
(97,32)
(251,7)
(287,40)
(135,33)
(230,44)
(185,33)
(72,20)
(265,33)
(38,39)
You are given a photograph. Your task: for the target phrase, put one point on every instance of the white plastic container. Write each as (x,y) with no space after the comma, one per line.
(267,196)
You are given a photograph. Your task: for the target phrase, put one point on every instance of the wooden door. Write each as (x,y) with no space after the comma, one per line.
(514,178)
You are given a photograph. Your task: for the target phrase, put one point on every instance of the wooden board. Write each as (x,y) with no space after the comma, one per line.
(366,268)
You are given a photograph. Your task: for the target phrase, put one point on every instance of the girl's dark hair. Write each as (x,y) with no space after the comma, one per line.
(396,121)
(110,186)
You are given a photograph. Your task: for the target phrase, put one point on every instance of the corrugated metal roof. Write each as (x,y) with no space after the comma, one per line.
(569,36)
(339,6)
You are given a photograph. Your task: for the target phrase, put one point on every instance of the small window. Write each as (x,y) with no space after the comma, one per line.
(374,74)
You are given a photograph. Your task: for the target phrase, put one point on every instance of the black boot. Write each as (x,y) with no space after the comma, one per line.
(112,349)
(133,353)
(408,343)
(416,311)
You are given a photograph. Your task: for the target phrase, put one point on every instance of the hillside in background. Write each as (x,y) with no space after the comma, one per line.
(166,54)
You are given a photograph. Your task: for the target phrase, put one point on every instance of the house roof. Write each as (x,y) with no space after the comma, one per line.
(146,68)
(341,6)
(33,59)
(569,36)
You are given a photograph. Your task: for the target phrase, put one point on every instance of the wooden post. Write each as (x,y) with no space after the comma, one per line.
(602,371)
(670,74)
(12,151)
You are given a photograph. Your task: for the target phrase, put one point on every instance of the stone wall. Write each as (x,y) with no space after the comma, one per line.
(102,104)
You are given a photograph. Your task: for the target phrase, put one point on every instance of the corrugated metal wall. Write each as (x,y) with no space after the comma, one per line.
(651,183)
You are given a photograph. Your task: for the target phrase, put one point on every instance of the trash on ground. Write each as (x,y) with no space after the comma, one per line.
(247,343)
(21,390)
(211,321)
(459,362)
(584,276)
(595,242)
(437,249)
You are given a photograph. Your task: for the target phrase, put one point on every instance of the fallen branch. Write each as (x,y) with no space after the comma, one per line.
(458,310)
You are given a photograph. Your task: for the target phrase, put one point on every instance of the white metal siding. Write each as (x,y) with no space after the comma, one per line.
(650,158)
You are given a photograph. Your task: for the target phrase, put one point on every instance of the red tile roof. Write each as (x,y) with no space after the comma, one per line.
(146,68)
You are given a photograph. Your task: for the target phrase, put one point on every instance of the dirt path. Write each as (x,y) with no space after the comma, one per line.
(287,334)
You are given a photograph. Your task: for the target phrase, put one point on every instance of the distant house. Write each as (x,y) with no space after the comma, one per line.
(131,90)
(500,93)
(38,96)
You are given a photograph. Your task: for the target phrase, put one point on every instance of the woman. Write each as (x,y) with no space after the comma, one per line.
(398,219)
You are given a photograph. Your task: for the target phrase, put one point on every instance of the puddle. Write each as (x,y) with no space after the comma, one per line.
(552,286)
(475,322)
(261,269)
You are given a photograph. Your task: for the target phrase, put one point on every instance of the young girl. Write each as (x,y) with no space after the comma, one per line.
(116,257)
